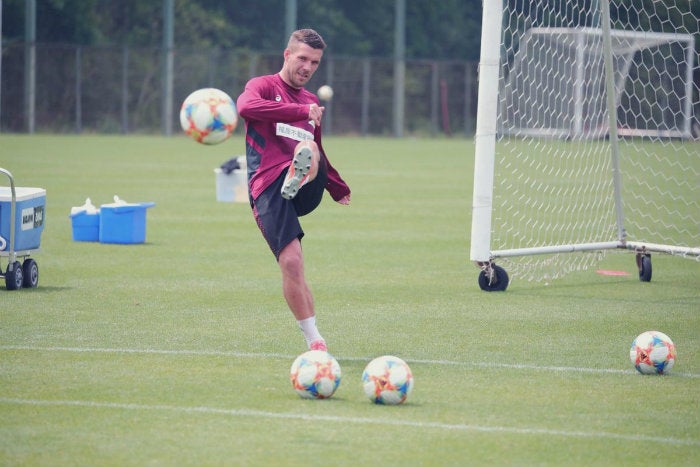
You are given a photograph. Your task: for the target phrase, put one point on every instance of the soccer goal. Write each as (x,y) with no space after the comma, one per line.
(586,138)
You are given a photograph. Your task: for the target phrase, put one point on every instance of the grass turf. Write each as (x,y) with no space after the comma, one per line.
(177,351)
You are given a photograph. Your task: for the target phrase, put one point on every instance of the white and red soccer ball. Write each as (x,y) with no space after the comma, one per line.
(387,380)
(653,352)
(208,116)
(315,375)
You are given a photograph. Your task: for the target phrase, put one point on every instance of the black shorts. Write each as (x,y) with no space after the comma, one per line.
(278,218)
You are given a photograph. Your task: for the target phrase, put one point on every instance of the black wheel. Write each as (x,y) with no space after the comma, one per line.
(31,273)
(498,280)
(13,276)
(644,265)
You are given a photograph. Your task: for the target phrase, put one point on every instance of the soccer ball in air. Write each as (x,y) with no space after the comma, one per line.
(325,93)
(315,375)
(653,352)
(387,380)
(208,116)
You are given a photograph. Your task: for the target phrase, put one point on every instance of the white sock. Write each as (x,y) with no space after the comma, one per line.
(308,327)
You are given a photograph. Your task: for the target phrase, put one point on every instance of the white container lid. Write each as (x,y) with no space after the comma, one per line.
(22,193)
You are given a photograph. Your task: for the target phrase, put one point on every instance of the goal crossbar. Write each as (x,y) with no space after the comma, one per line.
(622,41)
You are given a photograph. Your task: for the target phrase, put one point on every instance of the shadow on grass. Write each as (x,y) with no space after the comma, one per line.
(38,290)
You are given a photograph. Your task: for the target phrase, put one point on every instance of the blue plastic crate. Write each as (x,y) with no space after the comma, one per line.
(86,226)
(123,223)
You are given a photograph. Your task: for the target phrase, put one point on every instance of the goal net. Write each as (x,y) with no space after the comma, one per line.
(586,141)
(554,86)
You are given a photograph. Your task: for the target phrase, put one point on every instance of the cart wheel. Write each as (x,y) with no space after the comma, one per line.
(31,273)
(13,276)
(644,265)
(498,282)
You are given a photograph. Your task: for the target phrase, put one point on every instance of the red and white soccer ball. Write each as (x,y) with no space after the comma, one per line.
(387,380)
(208,116)
(653,352)
(315,374)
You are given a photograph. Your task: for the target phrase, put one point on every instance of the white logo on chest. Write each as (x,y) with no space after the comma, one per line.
(293,132)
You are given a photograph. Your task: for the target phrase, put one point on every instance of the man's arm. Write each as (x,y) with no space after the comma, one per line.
(255,104)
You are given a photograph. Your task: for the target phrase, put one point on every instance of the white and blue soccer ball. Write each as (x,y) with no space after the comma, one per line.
(653,352)
(315,374)
(387,380)
(208,116)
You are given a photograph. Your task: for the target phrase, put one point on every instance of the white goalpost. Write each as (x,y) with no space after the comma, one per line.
(584,140)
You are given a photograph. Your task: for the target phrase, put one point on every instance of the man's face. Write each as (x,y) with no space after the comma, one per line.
(300,63)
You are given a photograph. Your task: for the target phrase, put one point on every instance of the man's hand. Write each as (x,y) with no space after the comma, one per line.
(344,200)
(315,113)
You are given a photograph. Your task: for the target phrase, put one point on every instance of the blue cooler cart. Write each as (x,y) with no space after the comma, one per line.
(21,224)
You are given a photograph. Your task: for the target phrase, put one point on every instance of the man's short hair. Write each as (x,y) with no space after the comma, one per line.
(308,37)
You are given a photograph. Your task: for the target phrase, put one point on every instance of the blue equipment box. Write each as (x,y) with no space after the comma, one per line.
(30,207)
(86,226)
(123,223)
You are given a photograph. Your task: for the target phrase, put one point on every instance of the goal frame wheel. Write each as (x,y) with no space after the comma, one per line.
(644,266)
(492,278)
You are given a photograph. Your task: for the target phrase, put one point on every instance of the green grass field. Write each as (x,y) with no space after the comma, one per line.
(177,351)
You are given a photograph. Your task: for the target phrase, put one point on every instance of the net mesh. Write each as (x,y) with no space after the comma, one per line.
(553,181)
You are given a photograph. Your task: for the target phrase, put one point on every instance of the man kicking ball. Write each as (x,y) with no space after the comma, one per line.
(288,170)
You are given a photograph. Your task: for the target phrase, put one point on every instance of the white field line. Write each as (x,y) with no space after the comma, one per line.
(219,353)
(356,420)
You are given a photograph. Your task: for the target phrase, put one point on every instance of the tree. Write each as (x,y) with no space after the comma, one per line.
(66,21)
(446,30)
